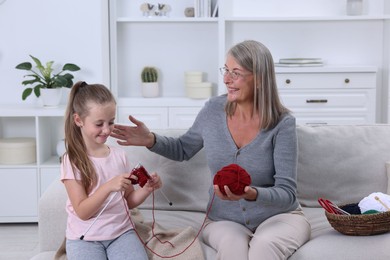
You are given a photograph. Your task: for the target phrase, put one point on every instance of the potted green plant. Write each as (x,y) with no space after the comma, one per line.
(44,78)
(149,77)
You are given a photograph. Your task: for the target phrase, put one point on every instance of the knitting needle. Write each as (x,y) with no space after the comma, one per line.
(165,196)
(339,209)
(381,202)
(138,166)
(82,237)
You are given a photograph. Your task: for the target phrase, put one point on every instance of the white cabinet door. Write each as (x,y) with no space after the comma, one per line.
(153,117)
(18,194)
(182,117)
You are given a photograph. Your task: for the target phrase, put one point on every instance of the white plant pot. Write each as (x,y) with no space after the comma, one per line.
(150,89)
(51,97)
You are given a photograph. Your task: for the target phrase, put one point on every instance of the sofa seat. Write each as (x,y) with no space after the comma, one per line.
(326,243)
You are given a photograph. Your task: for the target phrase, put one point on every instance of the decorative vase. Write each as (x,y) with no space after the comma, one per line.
(60,148)
(150,89)
(354,7)
(51,97)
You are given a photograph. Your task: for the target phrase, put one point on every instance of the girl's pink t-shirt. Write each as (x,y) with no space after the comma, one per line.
(114,220)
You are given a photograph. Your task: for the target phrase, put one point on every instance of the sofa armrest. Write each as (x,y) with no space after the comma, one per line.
(52,217)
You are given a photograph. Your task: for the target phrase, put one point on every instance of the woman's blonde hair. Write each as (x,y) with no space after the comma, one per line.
(257,59)
(79,99)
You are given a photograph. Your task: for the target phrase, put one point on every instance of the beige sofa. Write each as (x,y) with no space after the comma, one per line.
(341,163)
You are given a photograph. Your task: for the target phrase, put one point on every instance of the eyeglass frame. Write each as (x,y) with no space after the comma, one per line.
(232,74)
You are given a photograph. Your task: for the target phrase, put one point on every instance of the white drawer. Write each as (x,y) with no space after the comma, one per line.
(153,117)
(347,80)
(333,119)
(182,117)
(329,100)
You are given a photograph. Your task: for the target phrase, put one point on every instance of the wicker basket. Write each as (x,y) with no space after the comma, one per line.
(360,225)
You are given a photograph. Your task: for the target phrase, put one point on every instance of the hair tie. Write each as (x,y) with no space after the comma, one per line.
(233,176)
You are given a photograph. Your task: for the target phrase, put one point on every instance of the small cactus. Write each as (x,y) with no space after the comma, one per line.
(149,74)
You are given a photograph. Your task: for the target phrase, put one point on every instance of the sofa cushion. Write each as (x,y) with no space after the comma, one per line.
(341,163)
(185,184)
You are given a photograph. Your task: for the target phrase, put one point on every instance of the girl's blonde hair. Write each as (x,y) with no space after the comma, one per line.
(79,99)
(257,59)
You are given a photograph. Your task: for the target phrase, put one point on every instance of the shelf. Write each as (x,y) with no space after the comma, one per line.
(306,18)
(160,102)
(166,20)
(19,166)
(29,110)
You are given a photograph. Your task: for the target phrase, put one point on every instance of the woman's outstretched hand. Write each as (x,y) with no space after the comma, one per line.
(138,135)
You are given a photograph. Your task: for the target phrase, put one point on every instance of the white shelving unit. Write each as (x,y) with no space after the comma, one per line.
(300,29)
(352,86)
(23,184)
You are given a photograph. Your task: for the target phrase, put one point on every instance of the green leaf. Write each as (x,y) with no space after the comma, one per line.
(37,61)
(60,81)
(24,66)
(68,76)
(71,67)
(27,92)
(31,81)
(37,90)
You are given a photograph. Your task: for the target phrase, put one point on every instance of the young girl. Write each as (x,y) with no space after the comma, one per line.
(96,176)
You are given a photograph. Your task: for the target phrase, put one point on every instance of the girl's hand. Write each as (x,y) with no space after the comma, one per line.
(120,183)
(154,183)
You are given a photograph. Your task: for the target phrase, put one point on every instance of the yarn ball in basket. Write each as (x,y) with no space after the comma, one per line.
(233,176)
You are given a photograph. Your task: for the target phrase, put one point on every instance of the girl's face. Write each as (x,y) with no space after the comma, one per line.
(239,82)
(98,124)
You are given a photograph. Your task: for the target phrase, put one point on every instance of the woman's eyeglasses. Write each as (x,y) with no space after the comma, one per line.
(232,74)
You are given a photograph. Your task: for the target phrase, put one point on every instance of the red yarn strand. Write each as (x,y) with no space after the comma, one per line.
(233,176)
(153,224)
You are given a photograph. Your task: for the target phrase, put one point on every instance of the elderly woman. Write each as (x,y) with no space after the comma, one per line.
(250,127)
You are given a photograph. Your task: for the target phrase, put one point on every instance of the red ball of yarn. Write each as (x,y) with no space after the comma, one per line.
(139,175)
(233,176)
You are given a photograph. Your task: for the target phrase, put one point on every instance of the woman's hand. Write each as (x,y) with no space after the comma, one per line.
(249,193)
(138,135)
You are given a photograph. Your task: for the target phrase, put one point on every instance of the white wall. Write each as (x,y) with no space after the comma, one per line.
(70,31)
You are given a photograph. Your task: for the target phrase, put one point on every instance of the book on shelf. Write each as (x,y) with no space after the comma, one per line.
(215,8)
(299,62)
(298,65)
(205,8)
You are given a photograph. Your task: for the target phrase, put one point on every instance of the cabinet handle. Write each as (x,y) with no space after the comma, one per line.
(346,80)
(316,101)
(288,81)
